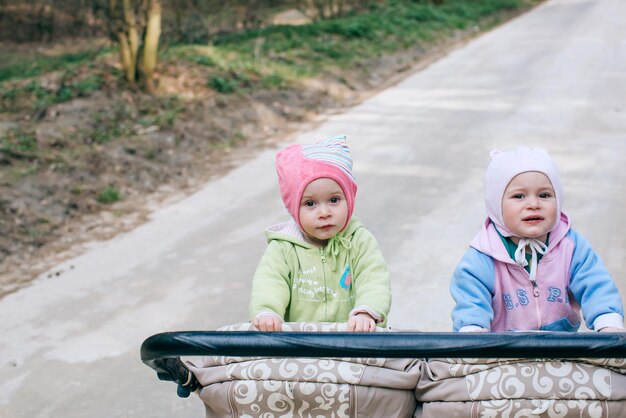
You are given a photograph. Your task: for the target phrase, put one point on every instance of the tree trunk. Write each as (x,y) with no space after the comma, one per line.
(127,39)
(138,56)
(126,57)
(151,44)
(131,35)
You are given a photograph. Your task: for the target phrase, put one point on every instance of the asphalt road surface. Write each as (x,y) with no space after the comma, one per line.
(554,78)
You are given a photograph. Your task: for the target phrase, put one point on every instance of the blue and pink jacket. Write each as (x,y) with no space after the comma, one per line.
(493,292)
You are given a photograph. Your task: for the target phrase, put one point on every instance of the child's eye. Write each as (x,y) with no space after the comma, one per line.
(309,203)
(334,199)
(518,196)
(545,195)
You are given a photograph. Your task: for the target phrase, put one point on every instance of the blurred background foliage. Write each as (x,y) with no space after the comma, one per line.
(86,131)
(183,20)
(289,38)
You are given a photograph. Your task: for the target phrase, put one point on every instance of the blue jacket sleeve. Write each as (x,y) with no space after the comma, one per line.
(590,282)
(472,289)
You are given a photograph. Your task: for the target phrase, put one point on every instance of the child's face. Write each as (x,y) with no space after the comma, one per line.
(529,206)
(323,210)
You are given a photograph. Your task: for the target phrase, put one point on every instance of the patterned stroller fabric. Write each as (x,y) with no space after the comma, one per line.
(522,388)
(301,387)
(406,388)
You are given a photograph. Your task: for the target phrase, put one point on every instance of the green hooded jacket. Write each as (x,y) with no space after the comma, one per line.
(304,283)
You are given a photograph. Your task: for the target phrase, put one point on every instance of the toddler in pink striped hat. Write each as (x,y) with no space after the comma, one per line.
(322,265)
(527,269)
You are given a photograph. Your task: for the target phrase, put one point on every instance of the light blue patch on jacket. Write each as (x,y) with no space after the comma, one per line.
(346,278)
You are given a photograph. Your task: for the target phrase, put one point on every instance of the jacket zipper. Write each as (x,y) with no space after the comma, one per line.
(536,294)
(535,288)
(323,259)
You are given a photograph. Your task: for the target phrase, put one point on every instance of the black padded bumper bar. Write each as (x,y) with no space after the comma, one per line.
(545,345)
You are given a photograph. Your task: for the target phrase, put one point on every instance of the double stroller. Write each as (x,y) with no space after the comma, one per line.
(319,370)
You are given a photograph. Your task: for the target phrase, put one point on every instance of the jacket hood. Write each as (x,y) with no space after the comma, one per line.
(488,241)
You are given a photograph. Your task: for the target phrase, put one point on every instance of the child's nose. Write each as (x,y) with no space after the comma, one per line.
(324,210)
(533,201)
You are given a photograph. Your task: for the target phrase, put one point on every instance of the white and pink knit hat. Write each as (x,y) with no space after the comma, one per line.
(298,165)
(507,164)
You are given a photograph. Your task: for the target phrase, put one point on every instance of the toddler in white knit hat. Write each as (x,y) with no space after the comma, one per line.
(527,269)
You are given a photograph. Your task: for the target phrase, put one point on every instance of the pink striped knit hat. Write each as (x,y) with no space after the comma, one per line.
(298,165)
(506,165)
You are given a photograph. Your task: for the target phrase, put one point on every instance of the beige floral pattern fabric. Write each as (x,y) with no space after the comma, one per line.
(284,398)
(304,387)
(523,388)
(404,388)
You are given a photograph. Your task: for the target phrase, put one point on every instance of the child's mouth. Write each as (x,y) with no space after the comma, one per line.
(533,219)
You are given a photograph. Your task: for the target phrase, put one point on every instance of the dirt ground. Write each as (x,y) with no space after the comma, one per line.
(53,213)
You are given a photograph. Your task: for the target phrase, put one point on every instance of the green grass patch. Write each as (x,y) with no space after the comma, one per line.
(275,56)
(39,97)
(77,190)
(281,54)
(163,114)
(223,84)
(273,81)
(109,195)
(31,67)
(18,144)
(229,142)
(203,60)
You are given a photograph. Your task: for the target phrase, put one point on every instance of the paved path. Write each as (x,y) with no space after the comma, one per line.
(555,78)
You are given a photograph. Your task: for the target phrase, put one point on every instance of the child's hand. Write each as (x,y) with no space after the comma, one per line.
(268,322)
(361,322)
(612,329)
(474,329)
